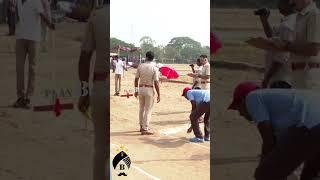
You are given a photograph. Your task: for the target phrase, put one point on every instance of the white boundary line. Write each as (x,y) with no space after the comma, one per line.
(139,169)
(197,144)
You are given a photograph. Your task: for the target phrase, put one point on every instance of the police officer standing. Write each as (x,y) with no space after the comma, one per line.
(305,57)
(96,39)
(148,75)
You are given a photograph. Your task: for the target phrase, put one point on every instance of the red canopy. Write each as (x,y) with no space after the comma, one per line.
(126,49)
(215,43)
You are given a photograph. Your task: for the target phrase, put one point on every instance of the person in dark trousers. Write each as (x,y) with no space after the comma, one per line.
(200,100)
(289,125)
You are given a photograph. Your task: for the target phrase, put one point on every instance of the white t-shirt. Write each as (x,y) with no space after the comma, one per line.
(29,25)
(119,67)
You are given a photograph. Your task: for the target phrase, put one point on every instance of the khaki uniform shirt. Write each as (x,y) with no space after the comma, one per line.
(148,73)
(205,83)
(97,37)
(307,31)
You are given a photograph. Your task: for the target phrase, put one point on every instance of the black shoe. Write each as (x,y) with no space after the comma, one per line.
(27,103)
(19,103)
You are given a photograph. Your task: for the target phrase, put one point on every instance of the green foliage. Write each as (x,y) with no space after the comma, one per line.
(115,42)
(179,49)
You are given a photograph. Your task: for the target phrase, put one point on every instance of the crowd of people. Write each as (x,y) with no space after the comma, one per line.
(284,105)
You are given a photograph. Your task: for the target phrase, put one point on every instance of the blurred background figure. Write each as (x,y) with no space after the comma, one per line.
(44,28)
(11,16)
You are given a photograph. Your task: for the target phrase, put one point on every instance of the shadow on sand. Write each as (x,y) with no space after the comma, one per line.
(235,160)
(202,157)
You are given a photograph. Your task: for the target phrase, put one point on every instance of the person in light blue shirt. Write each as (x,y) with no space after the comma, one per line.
(290,114)
(200,101)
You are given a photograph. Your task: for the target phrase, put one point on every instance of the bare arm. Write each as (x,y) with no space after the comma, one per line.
(204,76)
(266,26)
(156,85)
(47,21)
(310,49)
(136,81)
(84,65)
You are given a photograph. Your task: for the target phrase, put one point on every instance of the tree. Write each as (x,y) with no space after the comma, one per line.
(146,44)
(181,42)
(116,42)
(187,48)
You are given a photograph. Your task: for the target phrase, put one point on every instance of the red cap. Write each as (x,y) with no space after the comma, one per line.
(185,90)
(241,91)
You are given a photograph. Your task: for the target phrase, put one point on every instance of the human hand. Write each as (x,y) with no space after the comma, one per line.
(52,26)
(83,103)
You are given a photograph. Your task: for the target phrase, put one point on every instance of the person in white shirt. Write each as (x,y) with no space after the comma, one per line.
(277,73)
(204,75)
(196,80)
(28,36)
(119,70)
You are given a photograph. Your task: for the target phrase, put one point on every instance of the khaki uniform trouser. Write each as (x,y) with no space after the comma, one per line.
(100,114)
(24,48)
(306,79)
(146,101)
(117,83)
(205,86)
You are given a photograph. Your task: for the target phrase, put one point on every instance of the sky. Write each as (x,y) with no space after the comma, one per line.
(161,20)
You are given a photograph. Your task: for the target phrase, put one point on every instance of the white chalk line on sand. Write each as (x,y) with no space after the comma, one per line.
(168,132)
(139,169)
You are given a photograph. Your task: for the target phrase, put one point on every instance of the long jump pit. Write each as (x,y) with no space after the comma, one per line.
(167,154)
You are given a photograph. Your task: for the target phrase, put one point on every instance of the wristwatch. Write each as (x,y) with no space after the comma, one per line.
(84,88)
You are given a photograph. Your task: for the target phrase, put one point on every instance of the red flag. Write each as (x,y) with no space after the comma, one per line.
(215,43)
(57,107)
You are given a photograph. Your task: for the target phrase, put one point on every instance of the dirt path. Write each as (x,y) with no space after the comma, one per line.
(168,154)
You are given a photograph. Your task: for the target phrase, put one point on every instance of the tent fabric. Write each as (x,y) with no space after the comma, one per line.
(169,72)
(126,49)
(215,43)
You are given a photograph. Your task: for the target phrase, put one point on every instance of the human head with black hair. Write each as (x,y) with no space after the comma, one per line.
(149,56)
(199,62)
(203,59)
(286,7)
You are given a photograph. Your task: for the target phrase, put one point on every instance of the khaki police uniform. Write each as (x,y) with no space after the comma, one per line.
(205,83)
(96,38)
(306,70)
(147,73)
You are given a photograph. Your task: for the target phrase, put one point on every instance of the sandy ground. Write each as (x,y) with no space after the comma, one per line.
(38,146)
(167,154)
(237,142)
